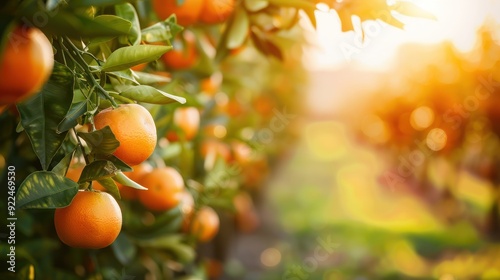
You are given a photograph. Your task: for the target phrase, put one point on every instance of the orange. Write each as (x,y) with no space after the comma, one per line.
(264,105)
(93,220)
(134,127)
(214,268)
(204,224)
(165,186)
(139,67)
(216,11)
(183,55)
(215,148)
(186,14)
(211,85)
(246,216)
(187,203)
(242,153)
(135,175)
(25,64)
(187,119)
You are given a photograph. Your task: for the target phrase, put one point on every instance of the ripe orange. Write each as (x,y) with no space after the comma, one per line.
(93,220)
(216,11)
(246,216)
(139,67)
(211,85)
(204,224)
(134,127)
(135,175)
(165,186)
(215,148)
(264,105)
(25,65)
(242,153)
(182,56)
(187,119)
(186,14)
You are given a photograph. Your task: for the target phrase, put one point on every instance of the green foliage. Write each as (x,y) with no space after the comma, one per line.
(96,42)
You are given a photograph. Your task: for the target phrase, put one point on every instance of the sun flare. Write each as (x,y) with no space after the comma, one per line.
(456,21)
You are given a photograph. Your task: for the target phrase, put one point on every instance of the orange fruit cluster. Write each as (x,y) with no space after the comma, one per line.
(195,11)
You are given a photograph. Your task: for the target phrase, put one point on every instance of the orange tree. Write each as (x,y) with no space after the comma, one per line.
(97,83)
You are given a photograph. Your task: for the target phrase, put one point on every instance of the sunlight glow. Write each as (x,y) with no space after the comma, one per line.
(457,21)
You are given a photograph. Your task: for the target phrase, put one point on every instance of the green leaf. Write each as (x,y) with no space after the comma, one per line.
(124,76)
(110,187)
(74,25)
(52,4)
(62,167)
(120,25)
(256,5)
(127,11)
(101,141)
(71,119)
(97,170)
(124,249)
(45,190)
(173,244)
(7,24)
(126,181)
(148,94)
(412,10)
(88,3)
(266,46)
(163,31)
(41,114)
(126,57)
(238,31)
(147,78)
(308,7)
(119,164)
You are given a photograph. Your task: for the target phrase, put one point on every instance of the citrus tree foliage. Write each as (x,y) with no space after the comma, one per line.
(247,83)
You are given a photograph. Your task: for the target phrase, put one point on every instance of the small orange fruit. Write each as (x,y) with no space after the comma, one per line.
(135,175)
(216,11)
(187,13)
(204,224)
(93,220)
(211,85)
(182,56)
(25,64)
(165,186)
(187,119)
(246,216)
(139,67)
(215,148)
(134,127)
(187,203)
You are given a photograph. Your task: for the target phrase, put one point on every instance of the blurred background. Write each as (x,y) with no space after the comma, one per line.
(394,173)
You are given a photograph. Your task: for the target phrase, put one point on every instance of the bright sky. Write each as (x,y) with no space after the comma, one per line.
(457,20)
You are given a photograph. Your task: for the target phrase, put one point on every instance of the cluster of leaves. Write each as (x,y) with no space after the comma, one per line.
(96,43)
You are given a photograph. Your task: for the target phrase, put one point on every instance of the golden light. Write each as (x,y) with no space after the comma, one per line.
(375,129)
(456,21)
(270,257)
(436,139)
(421,118)
(220,131)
